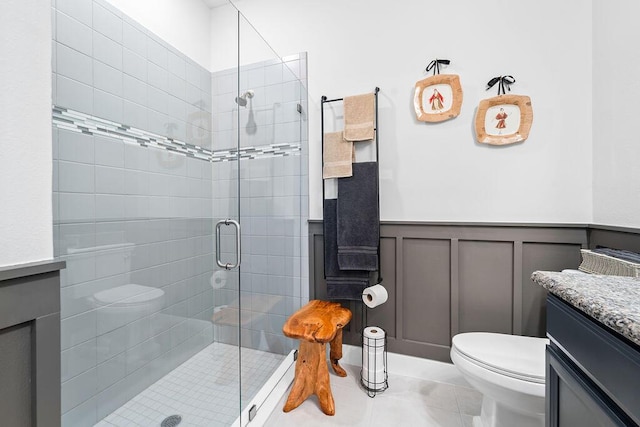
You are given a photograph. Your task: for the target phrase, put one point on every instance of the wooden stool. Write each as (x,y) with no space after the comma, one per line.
(316,324)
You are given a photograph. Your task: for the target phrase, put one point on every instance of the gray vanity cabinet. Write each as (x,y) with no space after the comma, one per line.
(593,373)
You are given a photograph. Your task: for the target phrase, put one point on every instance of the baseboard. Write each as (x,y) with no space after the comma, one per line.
(410,366)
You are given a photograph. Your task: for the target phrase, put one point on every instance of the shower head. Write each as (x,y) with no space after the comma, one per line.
(242,99)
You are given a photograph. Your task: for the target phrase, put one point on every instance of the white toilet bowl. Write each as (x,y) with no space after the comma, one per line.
(509,371)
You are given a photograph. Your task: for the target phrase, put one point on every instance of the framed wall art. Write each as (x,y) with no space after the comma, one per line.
(503,119)
(439,97)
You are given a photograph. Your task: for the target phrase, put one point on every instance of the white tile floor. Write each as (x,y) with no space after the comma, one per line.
(204,390)
(407,402)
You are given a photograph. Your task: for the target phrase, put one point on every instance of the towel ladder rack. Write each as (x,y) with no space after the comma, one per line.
(324,100)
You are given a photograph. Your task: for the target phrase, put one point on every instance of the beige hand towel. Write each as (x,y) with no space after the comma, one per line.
(338,155)
(359,114)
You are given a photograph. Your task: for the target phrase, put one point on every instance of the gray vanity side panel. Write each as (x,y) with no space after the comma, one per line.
(46,372)
(27,298)
(30,303)
(15,370)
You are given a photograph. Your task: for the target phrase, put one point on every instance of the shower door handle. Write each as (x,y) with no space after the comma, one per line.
(227,266)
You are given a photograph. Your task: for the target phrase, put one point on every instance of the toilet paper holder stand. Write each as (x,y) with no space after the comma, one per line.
(376,380)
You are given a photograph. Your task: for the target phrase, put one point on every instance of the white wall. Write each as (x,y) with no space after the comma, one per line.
(438,172)
(226,29)
(25,109)
(184,24)
(616,91)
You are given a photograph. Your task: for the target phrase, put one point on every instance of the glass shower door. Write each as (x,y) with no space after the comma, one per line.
(271,133)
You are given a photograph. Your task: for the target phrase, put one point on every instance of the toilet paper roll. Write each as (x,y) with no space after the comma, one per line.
(374,296)
(219,279)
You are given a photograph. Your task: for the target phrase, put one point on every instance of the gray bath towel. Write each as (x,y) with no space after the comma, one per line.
(359,218)
(346,285)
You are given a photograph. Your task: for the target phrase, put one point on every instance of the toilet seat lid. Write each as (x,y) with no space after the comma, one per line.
(511,355)
(126,295)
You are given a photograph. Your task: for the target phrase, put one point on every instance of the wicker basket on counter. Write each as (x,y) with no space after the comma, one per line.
(596,263)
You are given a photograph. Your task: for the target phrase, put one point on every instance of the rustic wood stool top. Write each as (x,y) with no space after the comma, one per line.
(318,321)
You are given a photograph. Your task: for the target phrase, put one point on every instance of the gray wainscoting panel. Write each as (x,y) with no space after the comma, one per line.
(541,256)
(486,286)
(425,305)
(614,237)
(444,279)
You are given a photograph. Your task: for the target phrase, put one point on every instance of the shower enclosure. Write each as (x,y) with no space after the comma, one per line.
(180,207)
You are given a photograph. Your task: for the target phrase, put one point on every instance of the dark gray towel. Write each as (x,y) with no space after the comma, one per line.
(359,218)
(340,284)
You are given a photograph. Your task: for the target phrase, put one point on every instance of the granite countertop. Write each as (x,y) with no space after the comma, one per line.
(613,301)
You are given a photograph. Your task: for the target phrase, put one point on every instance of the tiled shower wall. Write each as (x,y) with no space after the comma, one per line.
(107,65)
(126,213)
(273,196)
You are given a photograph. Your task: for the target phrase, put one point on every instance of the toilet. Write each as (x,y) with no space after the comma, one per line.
(509,371)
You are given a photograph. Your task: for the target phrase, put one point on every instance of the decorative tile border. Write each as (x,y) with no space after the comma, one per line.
(75,121)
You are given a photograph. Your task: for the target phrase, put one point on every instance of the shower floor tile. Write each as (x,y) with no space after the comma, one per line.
(204,390)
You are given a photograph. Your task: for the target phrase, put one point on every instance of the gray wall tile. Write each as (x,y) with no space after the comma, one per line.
(206,81)
(108,207)
(109,152)
(81,10)
(111,344)
(78,389)
(134,90)
(111,371)
(107,78)
(177,86)
(75,146)
(82,415)
(157,99)
(135,115)
(157,76)
(176,64)
(74,95)
(136,157)
(157,53)
(107,23)
(73,64)
(193,74)
(77,329)
(107,50)
(134,39)
(134,65)
(107,106)
(115,396)
(78,359)
(73,34)
(75,177)
(109,180)
(193,94)
(176,109)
